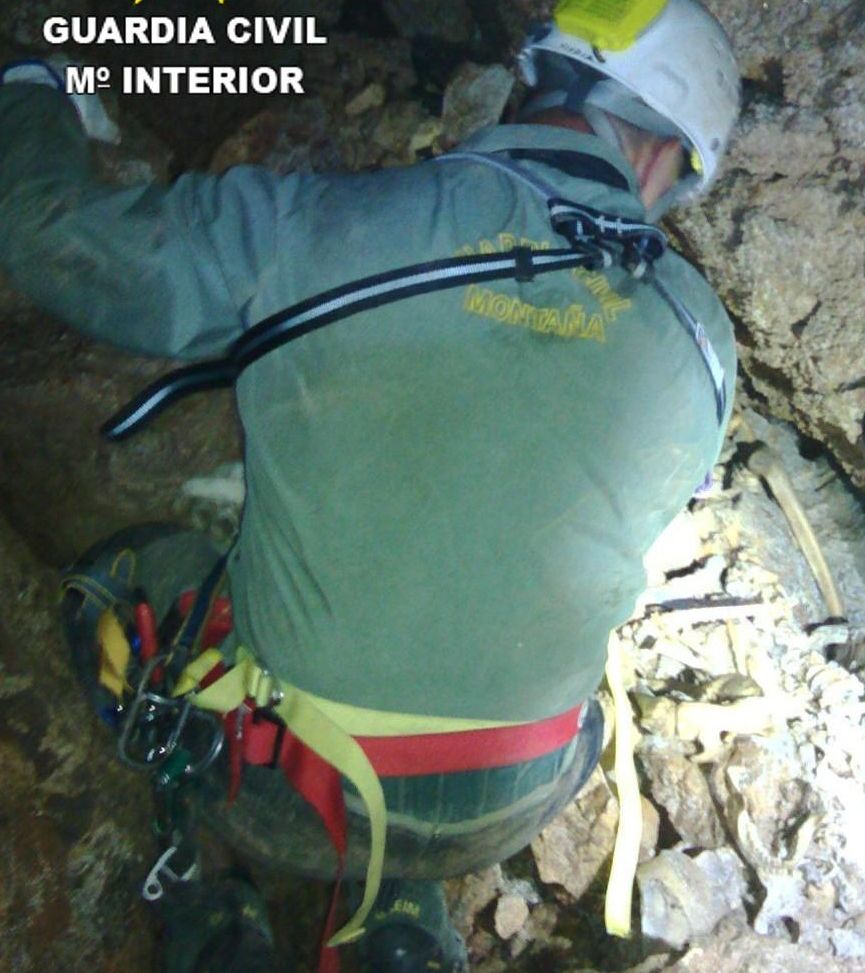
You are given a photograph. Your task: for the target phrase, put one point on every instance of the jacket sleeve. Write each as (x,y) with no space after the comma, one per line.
(167,271)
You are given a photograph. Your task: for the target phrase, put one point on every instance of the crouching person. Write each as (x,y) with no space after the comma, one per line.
(473,392)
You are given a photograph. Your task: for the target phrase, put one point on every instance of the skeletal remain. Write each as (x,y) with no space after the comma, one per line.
(225,486)
(766,463)
(704,723)
(786,891)
(738,645)
(760,857)
(733,685)
(708,612)
(833,684)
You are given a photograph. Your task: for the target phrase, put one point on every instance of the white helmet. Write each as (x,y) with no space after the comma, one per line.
(669,65)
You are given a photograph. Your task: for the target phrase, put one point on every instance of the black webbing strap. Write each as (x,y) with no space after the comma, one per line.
(578,165)
(641,245)
(291,323)
(590,232)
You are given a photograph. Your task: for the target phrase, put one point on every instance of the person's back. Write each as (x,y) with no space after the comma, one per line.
(449,497)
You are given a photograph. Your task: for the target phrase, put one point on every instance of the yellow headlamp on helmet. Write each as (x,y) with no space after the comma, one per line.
(609,25)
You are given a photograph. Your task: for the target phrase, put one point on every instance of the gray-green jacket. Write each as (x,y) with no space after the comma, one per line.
(448,497)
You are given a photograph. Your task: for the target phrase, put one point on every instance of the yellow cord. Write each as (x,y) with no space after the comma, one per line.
(626,854)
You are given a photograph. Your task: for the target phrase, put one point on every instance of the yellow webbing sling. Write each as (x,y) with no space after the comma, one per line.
(326,727)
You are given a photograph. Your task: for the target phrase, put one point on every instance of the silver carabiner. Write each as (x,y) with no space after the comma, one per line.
(158,706)
(216,743)
(143,697)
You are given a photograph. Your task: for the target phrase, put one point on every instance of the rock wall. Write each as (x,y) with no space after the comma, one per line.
(60,484)
(75,840)
(782,236)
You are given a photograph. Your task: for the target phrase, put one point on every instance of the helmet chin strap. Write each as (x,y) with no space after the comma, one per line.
(602,126)
(541,102)
(684,188)
(596,101)
(681,191)
(616,99)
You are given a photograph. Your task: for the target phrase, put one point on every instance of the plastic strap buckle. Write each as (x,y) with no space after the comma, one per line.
(524,269)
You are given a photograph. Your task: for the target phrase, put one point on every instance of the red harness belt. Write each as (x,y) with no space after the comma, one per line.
(256,737)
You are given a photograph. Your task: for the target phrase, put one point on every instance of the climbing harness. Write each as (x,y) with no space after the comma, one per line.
(316,741)
(591,233)
(266,722)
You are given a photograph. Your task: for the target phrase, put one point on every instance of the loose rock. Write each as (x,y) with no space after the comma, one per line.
(682,898)
(680,787)
(474,99)
(512,911)
(572,849)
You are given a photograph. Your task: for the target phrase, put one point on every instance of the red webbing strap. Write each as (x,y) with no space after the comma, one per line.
(447,753)
(238,725)
(255,741)
(219,622)
(145,622)
(253,738)
(321,785)
(437,753)
(263,742)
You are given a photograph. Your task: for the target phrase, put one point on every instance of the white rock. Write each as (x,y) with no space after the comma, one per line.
(512,911)
(572,849)
(372,96)
(848,944)
(677,547)
(475,98)
(225,485)
(682,898)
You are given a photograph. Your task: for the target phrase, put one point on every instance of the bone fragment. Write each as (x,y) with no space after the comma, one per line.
(704,723)
(716,612)
(766,463)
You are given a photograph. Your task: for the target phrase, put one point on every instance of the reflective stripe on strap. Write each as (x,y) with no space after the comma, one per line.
(336,304)
(698,335)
